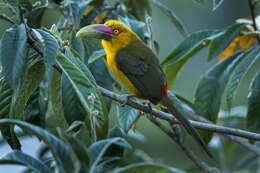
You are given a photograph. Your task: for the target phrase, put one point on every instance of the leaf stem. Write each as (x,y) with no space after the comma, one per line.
(252,8)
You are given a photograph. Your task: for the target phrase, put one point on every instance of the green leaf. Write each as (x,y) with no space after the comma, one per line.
(210,89)
(59,150)
(96,55)
(140,8)
(55,96)
(139,27)
(34,75)
(50,47)
(190,45)
(175,61)
(7,131)
(20,158)
(147,168)
(217,3)
(219,44)
(84,85)
(10,137)
(97,150)
(172,71)
(6,93)
(239,72)
(73,110)
(4,17)
(13,54)
(78,149)
(126,117)
(174,19)
(253,113)
(212,85)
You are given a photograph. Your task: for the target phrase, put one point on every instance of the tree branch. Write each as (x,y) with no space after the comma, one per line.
(175,136)
(252,11)
(168,117)
(237,139)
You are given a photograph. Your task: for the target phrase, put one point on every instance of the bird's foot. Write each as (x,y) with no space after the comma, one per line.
(149,107)
(126,97)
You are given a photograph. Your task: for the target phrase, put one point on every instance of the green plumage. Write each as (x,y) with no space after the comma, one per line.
(142,68)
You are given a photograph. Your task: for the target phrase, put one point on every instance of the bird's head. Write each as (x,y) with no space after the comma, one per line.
(113,33)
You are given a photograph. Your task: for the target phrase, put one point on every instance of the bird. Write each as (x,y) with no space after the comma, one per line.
(137,68)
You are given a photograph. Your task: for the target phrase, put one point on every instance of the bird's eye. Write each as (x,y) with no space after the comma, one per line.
(116,31)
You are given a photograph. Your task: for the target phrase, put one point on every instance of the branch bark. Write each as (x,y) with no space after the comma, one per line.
(175,137)
(252,12)
(168,117)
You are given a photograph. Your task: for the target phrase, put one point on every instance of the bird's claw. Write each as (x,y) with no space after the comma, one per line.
(126,98)
(149,108)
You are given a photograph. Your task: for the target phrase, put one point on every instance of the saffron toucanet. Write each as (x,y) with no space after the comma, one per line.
(137,67)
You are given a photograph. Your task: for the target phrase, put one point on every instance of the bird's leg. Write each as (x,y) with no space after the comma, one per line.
(149,107)
(126,97)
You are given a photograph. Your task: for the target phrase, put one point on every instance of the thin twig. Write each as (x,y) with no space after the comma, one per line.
(236,139)
(202,165)
(148,21)
(252,11)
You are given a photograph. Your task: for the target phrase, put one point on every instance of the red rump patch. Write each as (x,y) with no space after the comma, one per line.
(165,90)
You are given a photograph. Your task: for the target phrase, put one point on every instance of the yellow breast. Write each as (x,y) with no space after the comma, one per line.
(111,63)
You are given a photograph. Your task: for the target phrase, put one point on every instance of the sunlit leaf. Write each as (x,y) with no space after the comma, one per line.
(174,19)
(92,16)
(242,68)
(59,150)
(253,114)
(229,50)
(219,44)
(13,54)
(244,41)
(20,158)
(147,168)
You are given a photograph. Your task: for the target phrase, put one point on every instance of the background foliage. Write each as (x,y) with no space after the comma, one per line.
(59,108)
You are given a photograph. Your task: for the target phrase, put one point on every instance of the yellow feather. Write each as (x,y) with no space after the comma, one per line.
(112,47)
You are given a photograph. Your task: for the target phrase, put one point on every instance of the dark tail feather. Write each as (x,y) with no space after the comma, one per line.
(186,124)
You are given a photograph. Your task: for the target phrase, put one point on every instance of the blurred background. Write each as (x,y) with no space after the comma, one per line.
(157,145)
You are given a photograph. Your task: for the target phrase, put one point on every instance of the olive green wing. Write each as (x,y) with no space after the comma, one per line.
(142,68)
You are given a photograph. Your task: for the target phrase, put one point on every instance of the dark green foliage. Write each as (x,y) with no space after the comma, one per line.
(49,83)
(253,113)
